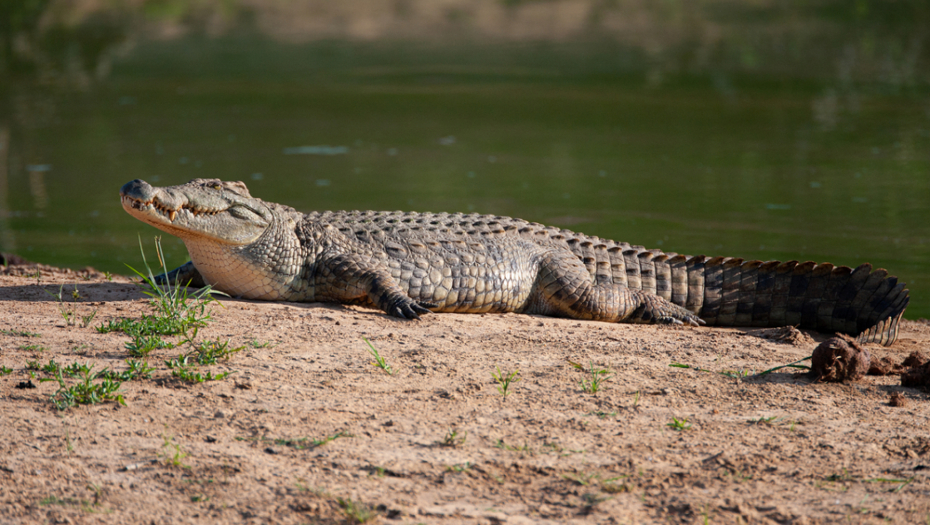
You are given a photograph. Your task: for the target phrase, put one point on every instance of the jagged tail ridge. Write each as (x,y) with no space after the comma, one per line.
(734,292)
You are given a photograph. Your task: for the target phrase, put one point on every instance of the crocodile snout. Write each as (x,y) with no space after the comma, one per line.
(138,189)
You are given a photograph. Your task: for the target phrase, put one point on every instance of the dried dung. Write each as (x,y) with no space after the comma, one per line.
(897,399)
(839,359)
(917,377)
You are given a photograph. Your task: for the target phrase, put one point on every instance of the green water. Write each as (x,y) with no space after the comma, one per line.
(761,164)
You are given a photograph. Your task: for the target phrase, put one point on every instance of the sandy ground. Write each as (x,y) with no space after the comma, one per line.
(772,449)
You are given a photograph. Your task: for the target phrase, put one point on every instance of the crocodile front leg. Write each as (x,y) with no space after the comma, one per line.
(350,278)
(185,275)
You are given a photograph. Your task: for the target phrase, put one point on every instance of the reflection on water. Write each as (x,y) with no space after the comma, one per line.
(763,131)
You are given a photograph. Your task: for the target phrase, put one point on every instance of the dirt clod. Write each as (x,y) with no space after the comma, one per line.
(839,359)
(784,334)
(917,358)
(917,377)
(884,366)
(897,399)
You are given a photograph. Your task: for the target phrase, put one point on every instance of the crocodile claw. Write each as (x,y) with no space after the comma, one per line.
(660,311)
(692,320)
(411,310)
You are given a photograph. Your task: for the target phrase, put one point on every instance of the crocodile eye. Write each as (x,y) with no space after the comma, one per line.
(216,186)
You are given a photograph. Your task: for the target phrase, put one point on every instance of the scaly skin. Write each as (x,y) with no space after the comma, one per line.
(409,264)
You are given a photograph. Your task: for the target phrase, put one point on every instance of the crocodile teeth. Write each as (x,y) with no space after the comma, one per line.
(172,214)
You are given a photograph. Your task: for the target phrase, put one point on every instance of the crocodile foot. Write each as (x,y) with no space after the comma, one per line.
(655,309)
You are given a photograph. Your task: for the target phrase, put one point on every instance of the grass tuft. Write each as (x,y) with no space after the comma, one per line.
(453,439)
(20,333)
(171,452)
(85,391)
(598,376)
(379,361)
(300,443)
(356,512)
(184,370)
(789,365)
(504,380)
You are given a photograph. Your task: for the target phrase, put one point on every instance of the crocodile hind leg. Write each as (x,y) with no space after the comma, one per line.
(564,288)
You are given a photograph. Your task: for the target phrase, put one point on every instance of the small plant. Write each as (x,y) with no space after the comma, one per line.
(51,368)
(84,505)
(901,482)
(611,486)
(679,425)
(208,352)
(555,448)
(504,380)
(459,467)
(171,452)
(736,476)
(581,479)
(453,439)
(68,444)
(737,374)
(87,319)
(379,361)
(504,446)
(69,312)
(85,392)
(636,397)
(20,333)
(5,371)
(789,365)
(300,443)
(108,276)
(254,343)
(598,376)
(137,370)
(32,348)
(356,512)
(142,346)
(147,325)
(769,421)
(176,310)
(76,369)
(172,301)
(185,371)
(377,471)
(591,499)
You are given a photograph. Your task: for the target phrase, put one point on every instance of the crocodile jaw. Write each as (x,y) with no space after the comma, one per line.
(202,209)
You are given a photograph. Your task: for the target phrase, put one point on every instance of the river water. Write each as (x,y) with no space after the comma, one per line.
(826,159)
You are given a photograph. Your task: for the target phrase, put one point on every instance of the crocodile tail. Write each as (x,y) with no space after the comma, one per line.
(733,292)
(728,291)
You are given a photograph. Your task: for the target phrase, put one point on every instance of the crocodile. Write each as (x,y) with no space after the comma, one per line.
(409,264)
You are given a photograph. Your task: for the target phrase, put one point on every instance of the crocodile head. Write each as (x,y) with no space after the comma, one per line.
(239,244)
(223,212)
